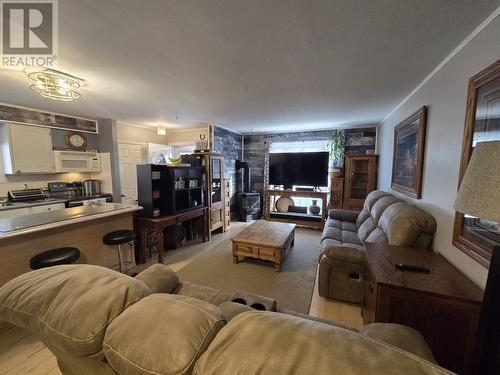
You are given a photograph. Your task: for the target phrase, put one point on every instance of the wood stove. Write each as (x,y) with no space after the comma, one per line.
(249,206)
(249,202)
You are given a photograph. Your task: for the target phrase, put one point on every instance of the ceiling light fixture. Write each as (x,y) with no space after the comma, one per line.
(162,130)
(53,84)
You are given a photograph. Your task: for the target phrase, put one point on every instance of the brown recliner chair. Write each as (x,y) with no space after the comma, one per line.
(384,218)
(98,321)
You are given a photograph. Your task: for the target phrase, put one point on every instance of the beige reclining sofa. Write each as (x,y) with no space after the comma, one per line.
(98,321)
(384,218)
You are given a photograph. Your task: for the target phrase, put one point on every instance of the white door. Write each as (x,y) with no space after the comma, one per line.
(31,149)
(129,156)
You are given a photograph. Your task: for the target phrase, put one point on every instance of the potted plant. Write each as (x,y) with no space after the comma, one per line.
(337,147)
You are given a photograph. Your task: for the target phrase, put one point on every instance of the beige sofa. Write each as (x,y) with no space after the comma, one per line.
(384,218)
(98,321)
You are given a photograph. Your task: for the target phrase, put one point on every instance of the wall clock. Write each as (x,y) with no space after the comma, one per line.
(76,141)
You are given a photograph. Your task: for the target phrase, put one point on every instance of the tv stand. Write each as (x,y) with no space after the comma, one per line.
(312,221)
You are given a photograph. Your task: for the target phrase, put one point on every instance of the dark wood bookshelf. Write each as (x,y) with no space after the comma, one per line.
(168,190)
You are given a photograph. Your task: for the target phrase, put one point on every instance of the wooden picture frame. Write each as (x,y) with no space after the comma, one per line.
(408,154)
(487,79)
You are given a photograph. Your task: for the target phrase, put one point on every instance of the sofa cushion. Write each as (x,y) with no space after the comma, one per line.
(350,238)
(341,225)
(69,306)
(350,253)
(366,228)
(363,215)
(173,331)
(272,343)
(401,337)
(377,235)
(347,226)
(381,205)
(159,277)
(332,234)
(204,293)
(373,197)
(231,309)
(343,215)
(407,225)
(342,236)
(332,223)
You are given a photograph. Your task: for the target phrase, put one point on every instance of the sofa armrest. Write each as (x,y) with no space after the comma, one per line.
(315,319)
(159,278)
(401,337)
(231,309)
(343,215)
(344,253)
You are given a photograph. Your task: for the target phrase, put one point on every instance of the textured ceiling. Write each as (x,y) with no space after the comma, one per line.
(250,64)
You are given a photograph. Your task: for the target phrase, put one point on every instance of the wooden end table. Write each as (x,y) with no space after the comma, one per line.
(264,240)
(442,305)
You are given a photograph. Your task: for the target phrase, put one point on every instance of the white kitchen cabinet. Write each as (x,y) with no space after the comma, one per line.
(26,149)
(47,208)
(14,213)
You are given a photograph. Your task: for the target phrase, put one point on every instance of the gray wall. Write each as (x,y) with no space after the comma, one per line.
(59,139)
(229,144)
(358,141)
(445,94)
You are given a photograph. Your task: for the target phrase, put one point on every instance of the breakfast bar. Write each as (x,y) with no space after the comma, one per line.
(83,227)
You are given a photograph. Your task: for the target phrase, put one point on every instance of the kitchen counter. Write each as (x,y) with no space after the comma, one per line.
(10,227)
(34,203)
(83,227)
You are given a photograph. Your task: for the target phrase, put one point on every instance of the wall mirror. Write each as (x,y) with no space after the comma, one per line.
(474,236)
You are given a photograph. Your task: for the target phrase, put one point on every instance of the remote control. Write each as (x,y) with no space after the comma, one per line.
(412,267)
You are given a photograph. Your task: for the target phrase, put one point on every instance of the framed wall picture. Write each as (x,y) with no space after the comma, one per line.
(408,154)
(474,236)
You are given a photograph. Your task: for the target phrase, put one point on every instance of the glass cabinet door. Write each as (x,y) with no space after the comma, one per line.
(359,179)
(216,169)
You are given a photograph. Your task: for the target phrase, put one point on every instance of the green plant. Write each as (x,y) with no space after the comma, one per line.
(337,146)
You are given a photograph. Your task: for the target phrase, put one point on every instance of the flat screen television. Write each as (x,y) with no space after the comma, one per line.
(299,168)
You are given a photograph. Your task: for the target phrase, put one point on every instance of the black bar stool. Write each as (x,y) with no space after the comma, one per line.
(119,238)
(55,257)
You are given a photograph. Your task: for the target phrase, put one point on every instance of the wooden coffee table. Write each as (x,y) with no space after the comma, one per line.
(265,240)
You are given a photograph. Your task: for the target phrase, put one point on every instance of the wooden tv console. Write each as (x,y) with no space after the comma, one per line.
(312,221)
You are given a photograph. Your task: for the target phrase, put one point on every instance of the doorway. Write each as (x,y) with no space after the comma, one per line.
(129,156)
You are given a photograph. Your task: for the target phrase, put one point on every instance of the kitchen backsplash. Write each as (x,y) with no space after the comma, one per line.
(36,181)
(17,182)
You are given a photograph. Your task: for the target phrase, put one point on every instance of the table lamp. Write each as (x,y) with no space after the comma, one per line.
(479,196)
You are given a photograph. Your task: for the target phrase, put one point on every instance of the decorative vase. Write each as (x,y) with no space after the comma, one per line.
(314,209)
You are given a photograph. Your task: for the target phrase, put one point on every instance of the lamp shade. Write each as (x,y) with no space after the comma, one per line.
(479,193)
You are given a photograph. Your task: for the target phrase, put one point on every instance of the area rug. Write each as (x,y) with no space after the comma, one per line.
(292,287)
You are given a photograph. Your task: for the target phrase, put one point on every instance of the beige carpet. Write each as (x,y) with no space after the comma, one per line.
(292,287)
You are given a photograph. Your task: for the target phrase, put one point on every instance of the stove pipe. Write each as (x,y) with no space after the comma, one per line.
(246,174)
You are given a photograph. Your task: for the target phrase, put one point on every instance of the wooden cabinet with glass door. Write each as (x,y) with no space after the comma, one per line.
(214,172)
(360,180)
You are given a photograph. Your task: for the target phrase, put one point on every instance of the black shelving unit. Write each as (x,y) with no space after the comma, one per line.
(165,190)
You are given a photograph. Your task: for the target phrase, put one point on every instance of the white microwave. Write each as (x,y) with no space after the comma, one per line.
(77,161)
